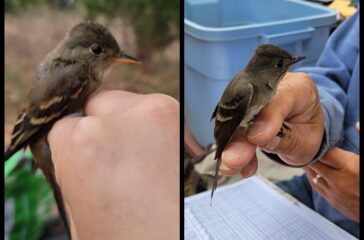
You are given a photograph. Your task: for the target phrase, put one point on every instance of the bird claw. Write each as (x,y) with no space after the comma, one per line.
(284,130)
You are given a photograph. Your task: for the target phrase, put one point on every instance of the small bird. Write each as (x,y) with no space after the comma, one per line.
(247,93)
(65,78)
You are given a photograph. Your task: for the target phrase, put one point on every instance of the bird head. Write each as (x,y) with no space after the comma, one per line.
(272,61)
(92,43)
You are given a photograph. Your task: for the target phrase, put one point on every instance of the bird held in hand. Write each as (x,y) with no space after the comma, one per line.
(247,93)
(66,77)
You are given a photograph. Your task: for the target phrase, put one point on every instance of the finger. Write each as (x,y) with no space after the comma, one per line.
(321,180)
(287,144)
(326,172)
(337,158)
(294,148)
(250,169)
(318,186)
(238,153)
(108,102)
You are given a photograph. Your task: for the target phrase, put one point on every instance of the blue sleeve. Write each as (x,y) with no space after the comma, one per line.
(332,74)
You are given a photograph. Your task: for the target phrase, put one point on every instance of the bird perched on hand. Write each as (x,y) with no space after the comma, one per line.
(68,74)
(246,95)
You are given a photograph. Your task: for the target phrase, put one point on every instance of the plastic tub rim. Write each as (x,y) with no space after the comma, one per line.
(255,25)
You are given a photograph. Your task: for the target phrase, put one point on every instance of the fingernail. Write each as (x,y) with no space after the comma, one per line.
(265,149)
(257,129)
(273,144)
(223,167)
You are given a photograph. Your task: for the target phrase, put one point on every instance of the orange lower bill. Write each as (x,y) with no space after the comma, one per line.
(126,60)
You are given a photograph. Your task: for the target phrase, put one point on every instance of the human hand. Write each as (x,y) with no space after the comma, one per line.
(118,167)
(297,103)
(336,178)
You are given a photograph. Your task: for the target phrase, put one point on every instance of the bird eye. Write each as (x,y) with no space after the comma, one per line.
(95,49)
(279,63)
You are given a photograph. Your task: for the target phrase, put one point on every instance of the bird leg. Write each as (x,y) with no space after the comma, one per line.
(284,130)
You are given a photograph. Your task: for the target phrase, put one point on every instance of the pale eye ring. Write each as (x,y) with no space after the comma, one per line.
(96,49)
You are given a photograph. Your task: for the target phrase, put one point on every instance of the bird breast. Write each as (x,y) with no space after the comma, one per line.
(258,101)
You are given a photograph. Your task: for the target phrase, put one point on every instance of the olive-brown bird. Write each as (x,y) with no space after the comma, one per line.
(66,77)
(247,93)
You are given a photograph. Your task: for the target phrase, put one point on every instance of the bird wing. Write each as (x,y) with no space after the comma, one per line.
(49,100)
(228,115)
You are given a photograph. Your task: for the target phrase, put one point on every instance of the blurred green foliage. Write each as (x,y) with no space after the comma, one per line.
(15,5)
(155,22)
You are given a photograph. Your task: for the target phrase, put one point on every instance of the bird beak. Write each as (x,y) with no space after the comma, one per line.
(124,58)
(297,59)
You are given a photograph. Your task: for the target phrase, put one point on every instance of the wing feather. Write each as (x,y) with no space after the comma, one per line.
(228,116)
(47,104)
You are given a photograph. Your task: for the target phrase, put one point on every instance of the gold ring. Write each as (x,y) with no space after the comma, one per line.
(316,178)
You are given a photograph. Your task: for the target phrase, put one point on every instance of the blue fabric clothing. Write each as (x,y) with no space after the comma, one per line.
(300,188)
(337,77)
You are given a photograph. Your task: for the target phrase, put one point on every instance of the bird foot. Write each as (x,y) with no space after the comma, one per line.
(284,130)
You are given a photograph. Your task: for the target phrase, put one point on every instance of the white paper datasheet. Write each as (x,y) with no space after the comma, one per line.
(253,209)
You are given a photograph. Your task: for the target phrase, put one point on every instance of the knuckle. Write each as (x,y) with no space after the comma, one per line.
(310,90)
(83,134)
(159,106)
(163,101)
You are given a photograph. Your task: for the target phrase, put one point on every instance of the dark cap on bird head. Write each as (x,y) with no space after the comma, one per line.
(270,50)
(97,40)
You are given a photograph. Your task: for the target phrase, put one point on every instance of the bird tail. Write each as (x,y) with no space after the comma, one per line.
(60,204)
(8,153)
(42,156)
(216,176)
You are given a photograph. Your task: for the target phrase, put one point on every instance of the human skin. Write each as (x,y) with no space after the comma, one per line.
(118,167)
(339,180)
(297,103)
